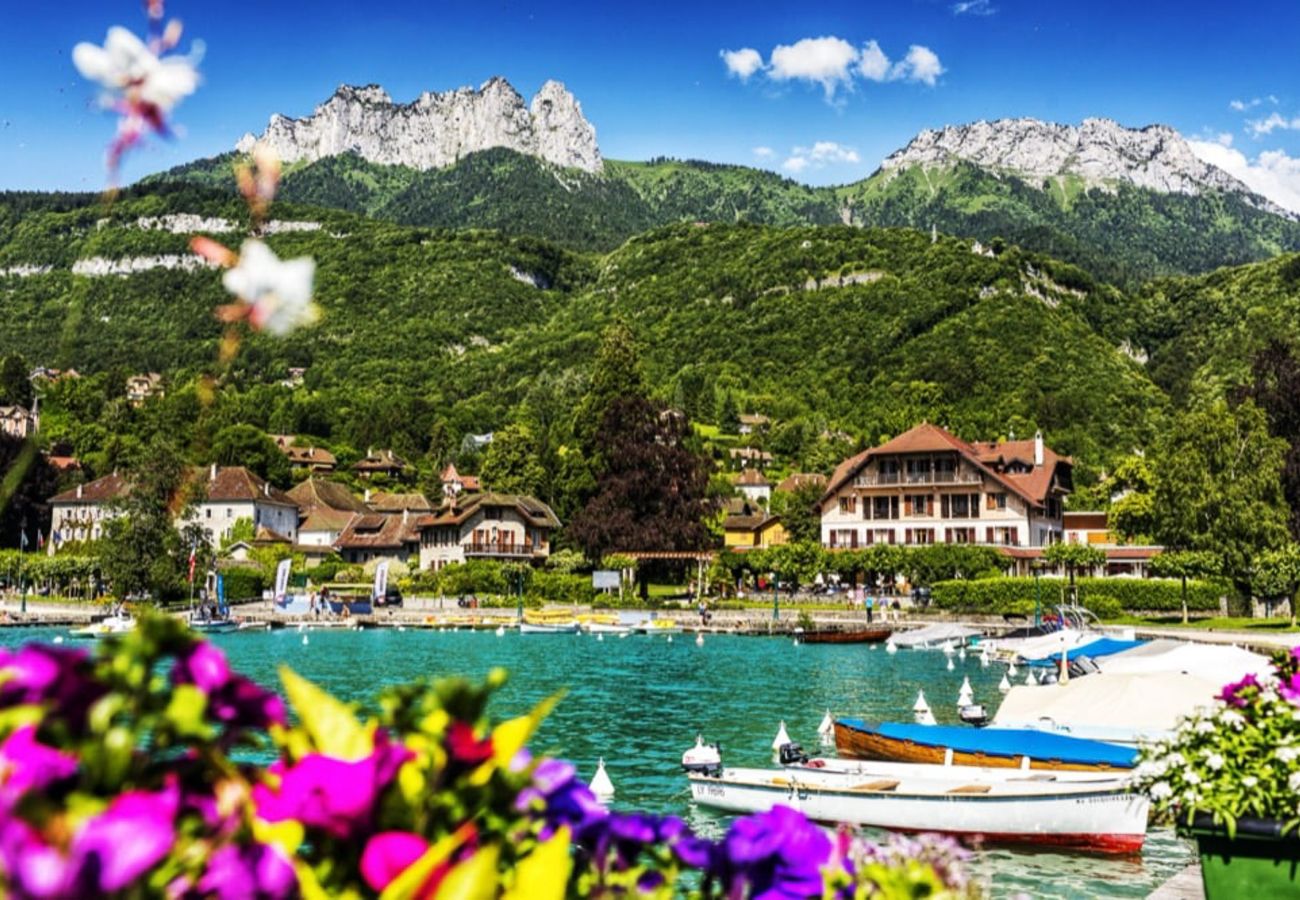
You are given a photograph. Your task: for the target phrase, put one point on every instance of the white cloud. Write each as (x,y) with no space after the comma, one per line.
(1243,105)
(743,62)
(974,8)
(1223,139)
(873,64)
(823,60)
(1275,120)
(1272,174)
(921,64)
(829,152)
(795,164)
(763,152)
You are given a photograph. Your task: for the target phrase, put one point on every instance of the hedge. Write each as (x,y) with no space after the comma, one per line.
(996,596)
(242,583)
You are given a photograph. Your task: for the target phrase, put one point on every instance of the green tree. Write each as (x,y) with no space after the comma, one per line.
(1184,565)
(1218,487)
(511,464)
(245,445)
(1131,516)
(615,375)
(1277,575)
(142,551)
(799,512)
(727,414)
(15,386)
(1074,558)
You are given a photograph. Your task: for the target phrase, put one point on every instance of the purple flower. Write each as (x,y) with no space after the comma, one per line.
(1290,688)
(129,838)
(389,854)
(41,674)
(777,854)
(561,798)
(31,867)
(334,795)
(233,699)
(1240,693)
(26,764)
(258,872)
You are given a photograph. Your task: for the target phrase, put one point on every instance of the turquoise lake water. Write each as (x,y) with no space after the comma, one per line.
(640,701)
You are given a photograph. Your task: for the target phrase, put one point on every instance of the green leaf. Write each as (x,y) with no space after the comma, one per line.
(330,724)
(185,710)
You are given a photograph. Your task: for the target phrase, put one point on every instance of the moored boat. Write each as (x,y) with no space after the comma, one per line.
(1089,813)
(119,623)
(1008,748)
(527,627)
(850,636)
(211,624)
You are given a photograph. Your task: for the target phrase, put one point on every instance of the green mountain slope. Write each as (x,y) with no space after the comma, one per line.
(1125,235)
(866,330)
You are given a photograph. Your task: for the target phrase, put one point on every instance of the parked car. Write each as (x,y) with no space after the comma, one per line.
(392,597)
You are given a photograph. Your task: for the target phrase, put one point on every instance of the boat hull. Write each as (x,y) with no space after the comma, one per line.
(213,626)
(548,628)
(1105,820)
(860,636)
(854,743)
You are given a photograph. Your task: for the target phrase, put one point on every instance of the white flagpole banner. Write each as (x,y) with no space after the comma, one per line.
(282,579)
(381,580)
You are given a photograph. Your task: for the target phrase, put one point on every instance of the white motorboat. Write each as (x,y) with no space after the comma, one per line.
(932,637)
(526,627)
(119,623)
(606,628)
(1060,810)
(211,624)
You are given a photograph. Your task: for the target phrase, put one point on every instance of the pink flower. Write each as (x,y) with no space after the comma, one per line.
(232,699)
(26,764)
(1240,693)
(334,795)
(389,854)
(259,871)
(129,838)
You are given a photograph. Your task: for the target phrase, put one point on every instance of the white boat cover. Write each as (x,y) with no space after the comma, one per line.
(932,635)
(1220,663)
(1043,645)
(1109,706)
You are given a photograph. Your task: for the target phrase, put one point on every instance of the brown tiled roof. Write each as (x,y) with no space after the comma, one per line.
(322,518)
(237,484)
(752,478)
(101,490)
(749,523)
(389,503)
(1033,486)
(375,531)
(1087,520)
(266,535)
(530,509)
(309,456)
(316,492)
(381,460)
(752,419)
(793,482)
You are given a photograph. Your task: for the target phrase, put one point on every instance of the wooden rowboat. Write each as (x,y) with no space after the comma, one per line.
(1001,748)
(856,636)
(1093,814)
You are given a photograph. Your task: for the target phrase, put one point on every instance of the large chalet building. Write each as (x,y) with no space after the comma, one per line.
(486,525)
(928,486)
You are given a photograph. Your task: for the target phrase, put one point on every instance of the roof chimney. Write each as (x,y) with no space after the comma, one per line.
(266,488)
(367,495)
(79,491)
(1038,448)
(212,475)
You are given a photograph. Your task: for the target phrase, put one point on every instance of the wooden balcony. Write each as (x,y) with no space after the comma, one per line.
(503,548)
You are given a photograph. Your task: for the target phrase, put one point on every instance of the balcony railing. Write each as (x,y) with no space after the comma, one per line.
(499,548)
(888,479)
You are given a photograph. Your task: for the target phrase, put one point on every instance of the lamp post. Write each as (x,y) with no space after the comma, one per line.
(1037,568)
(776,599)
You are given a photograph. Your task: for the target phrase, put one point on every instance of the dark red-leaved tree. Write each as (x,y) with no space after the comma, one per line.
(651,490)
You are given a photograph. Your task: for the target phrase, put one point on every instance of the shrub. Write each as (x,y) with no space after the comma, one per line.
(243,583)
(996,596)
(1103,606)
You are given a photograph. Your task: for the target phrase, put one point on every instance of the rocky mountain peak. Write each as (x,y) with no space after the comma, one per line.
(1100,151)
(437,129)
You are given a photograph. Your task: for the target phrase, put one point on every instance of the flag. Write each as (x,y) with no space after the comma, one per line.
(22,537)
(193,550)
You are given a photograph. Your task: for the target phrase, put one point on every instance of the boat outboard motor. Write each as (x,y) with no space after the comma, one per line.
(706,759)
(975,714)
(791,755)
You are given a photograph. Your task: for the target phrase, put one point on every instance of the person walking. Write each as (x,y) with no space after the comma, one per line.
(871,602)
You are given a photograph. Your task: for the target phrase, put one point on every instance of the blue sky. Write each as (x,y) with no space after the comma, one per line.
(652,79)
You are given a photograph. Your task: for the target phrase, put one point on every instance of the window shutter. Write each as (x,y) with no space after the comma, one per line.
(988,535)
(853,540)
(947,535)
(1015,536)
(907,536)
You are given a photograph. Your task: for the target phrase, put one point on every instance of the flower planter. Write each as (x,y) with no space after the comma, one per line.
(1258,862)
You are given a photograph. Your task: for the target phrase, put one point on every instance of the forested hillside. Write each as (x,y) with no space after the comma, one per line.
(1124,235)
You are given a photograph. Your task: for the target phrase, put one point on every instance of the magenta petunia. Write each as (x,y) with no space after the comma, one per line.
(130,837)
(204,666)
(1239,693)
(26,764)
(256,871)
(389,854)
(337,796)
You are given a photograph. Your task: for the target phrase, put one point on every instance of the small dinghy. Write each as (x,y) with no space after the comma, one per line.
(852,636)
(1061,810)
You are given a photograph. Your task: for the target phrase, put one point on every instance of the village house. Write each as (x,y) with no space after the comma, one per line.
(380,462)
(744,456)
(140,388)
(232,493)
(748,527)
(750,423)
(79,514)
(754,487)
(489,525)
(1093,528)
(21,423)
(324,510)
(369,536)
(928,486)
(797,480)
(398,504)
(313,459)
(454,484)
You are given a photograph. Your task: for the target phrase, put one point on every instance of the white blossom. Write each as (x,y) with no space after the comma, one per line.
(1161,791)
(1214,761)
(1294,781)
(1232,718)
(1249,781)
(1287,754)
(1192,778)
(125,63)
(279,292)
(1204,726)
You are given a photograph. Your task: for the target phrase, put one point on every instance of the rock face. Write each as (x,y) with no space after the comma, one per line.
(436,130)
(1100,151)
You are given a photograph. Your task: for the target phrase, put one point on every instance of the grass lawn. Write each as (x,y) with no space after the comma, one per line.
(1218,623)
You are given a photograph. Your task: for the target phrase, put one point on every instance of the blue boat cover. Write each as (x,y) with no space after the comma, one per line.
(1004,742)
(1099,647)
